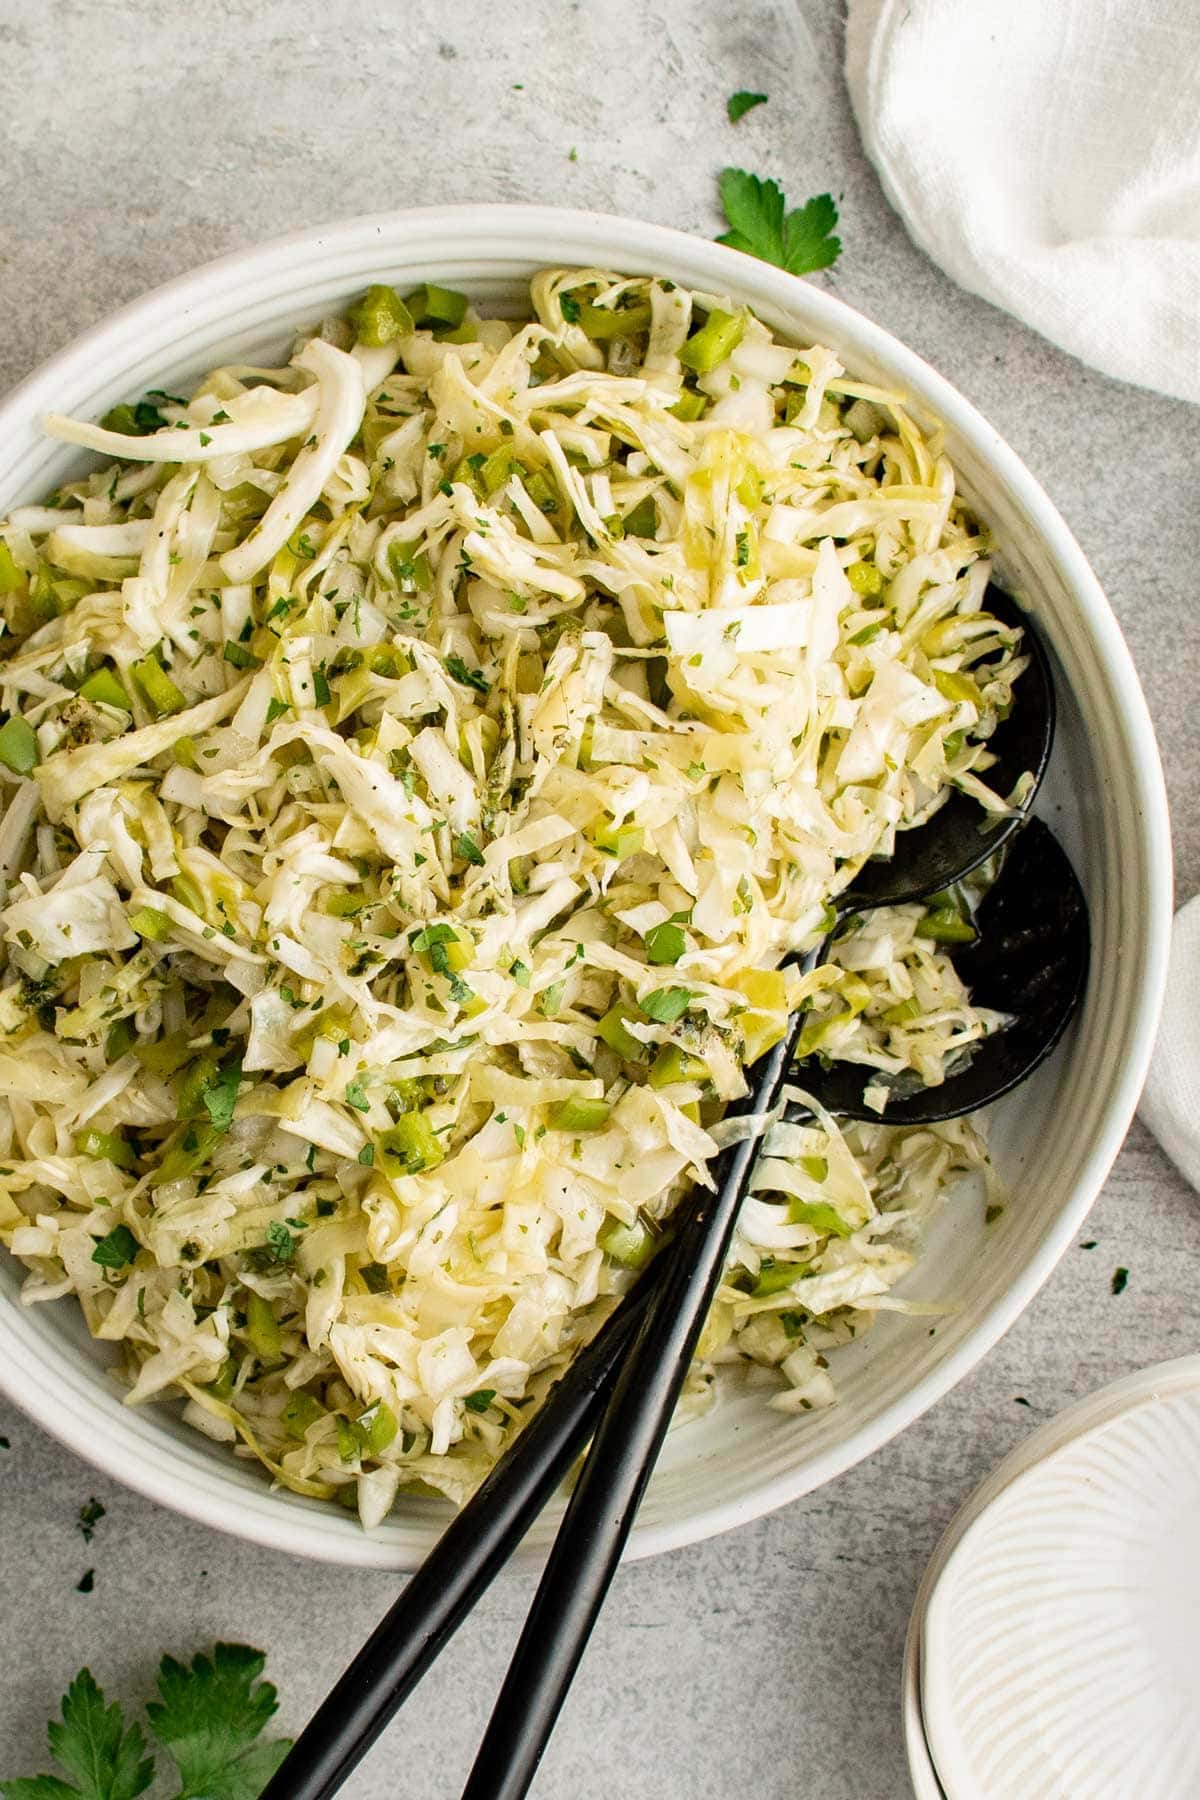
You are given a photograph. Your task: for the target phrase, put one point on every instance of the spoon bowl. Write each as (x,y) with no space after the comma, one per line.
(1029,959)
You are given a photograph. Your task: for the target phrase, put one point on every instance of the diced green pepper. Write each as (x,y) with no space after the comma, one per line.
(18,745)
(629,1245)
(690,406)
(300,1412)
(958,687)
(222,1387)
(165,1055)
(579,1115)
(150,923)
(774,1277)
(716,339)
(105,1146)
(262,1329)
(642,520)
(411,1142)
(196,1083)
(902,1012)
(612,1028)
(376,1428)
(410,567)
(119,1041)
(188,892)
(164,697)
(604,322)
(945,926)
(191,1147)
(497,469)
(673,1064)
(820,1215)
(345,903)
(381,316)
(818,1027)
(619,840)
(865,578)
(542,491)
(11,576)
(431,305)
(104,687)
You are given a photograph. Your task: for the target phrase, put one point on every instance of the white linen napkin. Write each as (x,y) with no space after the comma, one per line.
(1171,1103)
(1046,154)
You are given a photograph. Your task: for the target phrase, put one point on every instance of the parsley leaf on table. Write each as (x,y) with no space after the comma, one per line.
(209,1717)
(799,241)
(92,1744)
(739,104)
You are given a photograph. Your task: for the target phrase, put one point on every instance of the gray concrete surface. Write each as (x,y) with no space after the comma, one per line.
(140,139)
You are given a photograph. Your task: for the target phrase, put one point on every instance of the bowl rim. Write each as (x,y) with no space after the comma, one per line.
(495,230)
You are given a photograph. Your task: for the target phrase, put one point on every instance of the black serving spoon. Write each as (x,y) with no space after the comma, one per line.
(677,1286)
(1029,959)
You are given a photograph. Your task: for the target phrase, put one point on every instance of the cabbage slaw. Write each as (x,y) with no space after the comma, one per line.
(420,761)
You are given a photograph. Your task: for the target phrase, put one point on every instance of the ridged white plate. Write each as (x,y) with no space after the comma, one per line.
(1060,1645)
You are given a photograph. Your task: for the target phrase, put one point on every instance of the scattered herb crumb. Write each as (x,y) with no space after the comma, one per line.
(89,1517)
(1089,1245)
(1020,1400)
(739,104)
(992,1214)
(1120,1280)
(86,1582)
(4,1444)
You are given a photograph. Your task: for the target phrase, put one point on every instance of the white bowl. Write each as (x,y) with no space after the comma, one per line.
(1057,1136)
(1052,1643)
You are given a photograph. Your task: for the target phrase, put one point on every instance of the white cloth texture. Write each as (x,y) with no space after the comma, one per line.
(1171,1102)
(1046,154)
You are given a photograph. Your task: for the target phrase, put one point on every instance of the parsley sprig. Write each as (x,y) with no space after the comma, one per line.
(799,241)
(209,1717)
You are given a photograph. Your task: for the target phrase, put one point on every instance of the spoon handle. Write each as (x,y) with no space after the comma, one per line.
(604,1504)
(471,1551)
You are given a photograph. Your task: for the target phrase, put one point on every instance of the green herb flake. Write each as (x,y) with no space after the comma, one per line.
(739,104)
(480,1400)
(117,1249)
(1120,1280)
(90,1516)
(666,1005)
(356,1096)
(281,1245)
(665,943)
(472,678)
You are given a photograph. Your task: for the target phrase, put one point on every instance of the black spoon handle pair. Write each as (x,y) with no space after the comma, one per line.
(479,1540)
(471,1551)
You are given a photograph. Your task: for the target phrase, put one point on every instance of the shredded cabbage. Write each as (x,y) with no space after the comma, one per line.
(421,762)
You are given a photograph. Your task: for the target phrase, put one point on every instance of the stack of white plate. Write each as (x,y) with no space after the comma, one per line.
(1054,1649)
